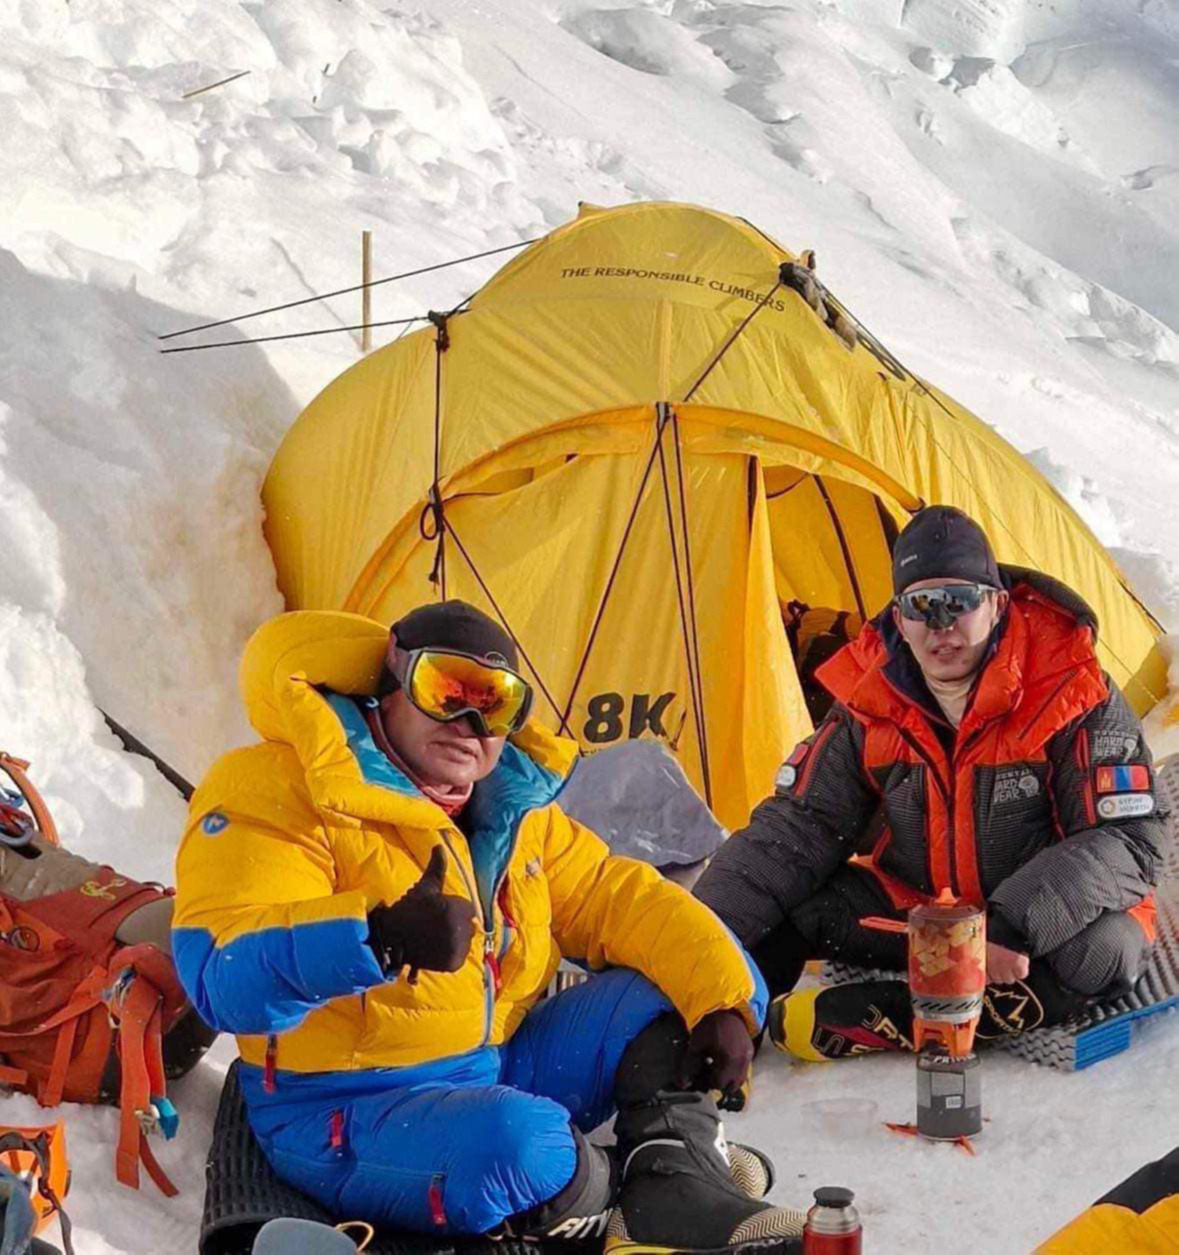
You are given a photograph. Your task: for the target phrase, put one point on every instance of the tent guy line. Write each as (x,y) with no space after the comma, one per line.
(358,287)
(295,335)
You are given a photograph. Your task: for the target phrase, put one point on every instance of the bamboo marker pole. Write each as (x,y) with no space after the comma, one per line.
(219,83)
(366,293)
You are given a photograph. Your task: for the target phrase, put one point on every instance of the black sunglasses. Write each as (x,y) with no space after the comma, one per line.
(941,605)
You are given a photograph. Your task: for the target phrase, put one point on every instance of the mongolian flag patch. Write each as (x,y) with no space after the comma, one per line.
(1132,778)
(1123,792)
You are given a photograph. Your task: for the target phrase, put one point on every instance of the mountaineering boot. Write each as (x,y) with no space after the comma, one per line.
(581,1209)
(185,1044)
(750,1170)
(678,1190)
(1037,1001)
(654,1061)
(836,1021)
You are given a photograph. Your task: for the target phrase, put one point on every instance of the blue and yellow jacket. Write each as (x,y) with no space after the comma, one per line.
(291,842)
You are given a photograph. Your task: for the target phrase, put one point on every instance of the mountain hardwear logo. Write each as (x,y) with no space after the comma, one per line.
(1014,785)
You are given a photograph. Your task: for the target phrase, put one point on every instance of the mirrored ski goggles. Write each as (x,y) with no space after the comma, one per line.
(941,605)
(448,686)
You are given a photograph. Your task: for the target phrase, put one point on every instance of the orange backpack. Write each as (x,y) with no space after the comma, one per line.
(82,1017)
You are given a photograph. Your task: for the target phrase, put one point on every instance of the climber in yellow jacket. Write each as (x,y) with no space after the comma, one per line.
(375,898)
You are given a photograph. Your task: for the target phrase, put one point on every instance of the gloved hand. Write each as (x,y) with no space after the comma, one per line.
(425,929)
(720,1052)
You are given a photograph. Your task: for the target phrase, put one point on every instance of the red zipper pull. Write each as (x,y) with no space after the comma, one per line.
(269,1073)
(489,957)
(434,1196)
(337,1130)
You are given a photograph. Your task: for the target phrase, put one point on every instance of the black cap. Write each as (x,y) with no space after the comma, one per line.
(941,542)
(458,626)
(834,1196)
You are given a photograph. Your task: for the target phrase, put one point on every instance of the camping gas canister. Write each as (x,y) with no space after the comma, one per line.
(949,1094)
(832,1224)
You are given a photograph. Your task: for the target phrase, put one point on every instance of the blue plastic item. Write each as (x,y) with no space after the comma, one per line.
(285,1236)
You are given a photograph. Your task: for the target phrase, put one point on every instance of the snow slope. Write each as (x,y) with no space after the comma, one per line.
(991,185)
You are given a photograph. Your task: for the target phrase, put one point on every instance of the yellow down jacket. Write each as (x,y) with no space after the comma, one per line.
(291,842)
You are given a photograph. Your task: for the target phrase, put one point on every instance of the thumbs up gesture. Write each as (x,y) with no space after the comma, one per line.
(426,928)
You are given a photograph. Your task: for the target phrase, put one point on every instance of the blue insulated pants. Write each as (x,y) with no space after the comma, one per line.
(457,1145)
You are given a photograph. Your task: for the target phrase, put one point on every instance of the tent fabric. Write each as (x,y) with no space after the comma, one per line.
(635,797)
(641,441)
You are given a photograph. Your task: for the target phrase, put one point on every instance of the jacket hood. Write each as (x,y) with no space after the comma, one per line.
(1049,633)
(286,664)
(1023,581)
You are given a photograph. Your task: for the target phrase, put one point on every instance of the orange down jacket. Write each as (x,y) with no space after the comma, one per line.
(1042,803)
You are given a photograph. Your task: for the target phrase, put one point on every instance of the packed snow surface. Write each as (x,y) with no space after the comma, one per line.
(991,185)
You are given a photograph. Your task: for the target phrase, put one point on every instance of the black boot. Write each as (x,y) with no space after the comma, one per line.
(1039,1001)
(652,1063)
(678,1191)
(581,1210)
(185,1044)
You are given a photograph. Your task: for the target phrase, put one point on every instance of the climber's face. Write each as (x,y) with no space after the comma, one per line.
(947,630)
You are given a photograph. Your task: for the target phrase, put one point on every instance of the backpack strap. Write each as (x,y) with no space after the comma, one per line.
(63,1051)
(137,1006)
(87,996)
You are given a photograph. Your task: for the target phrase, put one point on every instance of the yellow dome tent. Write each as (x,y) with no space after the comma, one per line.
(643,437)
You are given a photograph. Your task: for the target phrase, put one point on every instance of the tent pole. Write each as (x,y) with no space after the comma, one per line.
(441,344)
(728,344)
(694,685)
(581,666)
(458,544)
(366,295)
(679,464)
(844,547)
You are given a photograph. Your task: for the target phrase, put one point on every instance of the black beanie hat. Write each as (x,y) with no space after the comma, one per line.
(458,626)
(941,542)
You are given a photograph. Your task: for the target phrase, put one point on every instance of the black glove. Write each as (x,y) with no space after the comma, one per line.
(720,1052)
(425,929)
